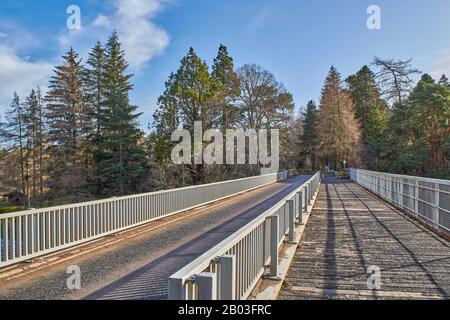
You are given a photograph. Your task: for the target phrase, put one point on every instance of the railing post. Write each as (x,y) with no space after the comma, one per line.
(416,198)
(300,209)
(227,277)
(400,198)
(291,204)
(309,193)
(207,283)
(306,197)
(274,236)
(437,200)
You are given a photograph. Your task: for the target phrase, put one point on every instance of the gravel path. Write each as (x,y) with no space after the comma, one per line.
(139,268)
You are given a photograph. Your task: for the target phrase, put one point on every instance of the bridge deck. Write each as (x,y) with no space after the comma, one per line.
(137,264)
(351,230)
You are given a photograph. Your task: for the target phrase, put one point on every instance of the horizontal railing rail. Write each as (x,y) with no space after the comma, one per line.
(231,269)
(427,199)
(32,233)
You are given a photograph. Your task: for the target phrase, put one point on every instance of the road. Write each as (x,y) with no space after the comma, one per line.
(136,265)
(351,232)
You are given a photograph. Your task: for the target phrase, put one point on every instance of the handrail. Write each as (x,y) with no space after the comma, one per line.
(237,263)
(28,234)
(425,198)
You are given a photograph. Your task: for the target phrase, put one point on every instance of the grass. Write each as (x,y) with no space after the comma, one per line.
(9,209)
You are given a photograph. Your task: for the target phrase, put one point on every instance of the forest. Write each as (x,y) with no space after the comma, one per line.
(82,140)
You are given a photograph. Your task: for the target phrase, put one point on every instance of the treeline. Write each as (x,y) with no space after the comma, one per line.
(82,140)
(380,120)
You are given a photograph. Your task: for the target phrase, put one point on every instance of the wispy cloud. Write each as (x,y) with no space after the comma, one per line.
(19,74)
(142,39)
(260,20)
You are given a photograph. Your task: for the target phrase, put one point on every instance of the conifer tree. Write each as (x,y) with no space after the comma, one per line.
(95,82)
(66,111)
(430,104)
(188,98)
(308,139)
(14,133)
(338,131)
(444,81)
(395,78)
(228,91)
(119,156)
(367,96)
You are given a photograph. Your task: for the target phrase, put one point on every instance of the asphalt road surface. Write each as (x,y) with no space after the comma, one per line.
(137,266)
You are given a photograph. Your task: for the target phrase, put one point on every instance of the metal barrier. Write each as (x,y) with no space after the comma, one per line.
(230,270)
(427,199)
(28,234)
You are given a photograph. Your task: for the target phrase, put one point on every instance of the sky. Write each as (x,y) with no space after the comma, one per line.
(297,40)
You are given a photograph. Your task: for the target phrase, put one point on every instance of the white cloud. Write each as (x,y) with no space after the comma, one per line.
(101,21)
(141,38)
(21,75)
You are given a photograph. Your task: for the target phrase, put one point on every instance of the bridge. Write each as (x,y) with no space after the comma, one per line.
(278,236)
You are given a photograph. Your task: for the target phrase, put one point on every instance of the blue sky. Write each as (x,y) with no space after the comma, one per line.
(297,40)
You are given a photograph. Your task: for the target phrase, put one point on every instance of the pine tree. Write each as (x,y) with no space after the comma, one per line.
(15,137)
(33,128)
(308,139)
(395,78)
(66,109)
(338,131)
(444,81)
(228,91)
(188,98)
(119,156)
(366,94)
(430,104)
(377,136)
(95,81)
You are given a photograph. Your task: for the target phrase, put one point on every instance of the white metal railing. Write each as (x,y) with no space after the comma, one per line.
(28,234)
(232,268)
(427,199)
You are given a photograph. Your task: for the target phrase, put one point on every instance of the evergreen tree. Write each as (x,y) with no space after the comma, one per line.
(95,82)
(366,94)
(308,139)
(15,136)
(119,156)
(444,81)
(377,137)
(338,131)
(228,91)
(33,114)
(430,103)
(66,111)
(188,98)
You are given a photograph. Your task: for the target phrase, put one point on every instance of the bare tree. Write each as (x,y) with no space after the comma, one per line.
(395,78)
(263,102)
